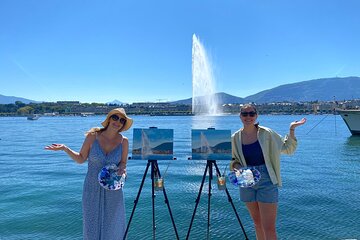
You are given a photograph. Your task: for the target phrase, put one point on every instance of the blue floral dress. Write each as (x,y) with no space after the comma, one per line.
(103,210)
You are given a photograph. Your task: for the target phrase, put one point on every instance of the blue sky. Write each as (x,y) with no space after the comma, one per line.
(139,50)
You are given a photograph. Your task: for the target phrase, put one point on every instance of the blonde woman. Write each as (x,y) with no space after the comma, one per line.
(103,210)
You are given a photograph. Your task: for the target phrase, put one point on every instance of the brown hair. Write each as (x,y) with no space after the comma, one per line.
(248,105)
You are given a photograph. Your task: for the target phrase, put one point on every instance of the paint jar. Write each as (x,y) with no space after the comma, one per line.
(159,184)
(221,182)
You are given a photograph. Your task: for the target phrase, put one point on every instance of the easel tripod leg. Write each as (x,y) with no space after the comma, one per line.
(136,200)
(168,204)
(232,204)
(210,167)
(197,201)
(153,197)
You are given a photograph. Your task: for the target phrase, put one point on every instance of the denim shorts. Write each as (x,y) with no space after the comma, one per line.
(264,191)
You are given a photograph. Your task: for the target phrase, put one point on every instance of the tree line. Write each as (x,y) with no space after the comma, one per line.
(22,109)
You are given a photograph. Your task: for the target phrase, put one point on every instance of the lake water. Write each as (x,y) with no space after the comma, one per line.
(41,190)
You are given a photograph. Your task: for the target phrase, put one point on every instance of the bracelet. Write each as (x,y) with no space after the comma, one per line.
(292,129)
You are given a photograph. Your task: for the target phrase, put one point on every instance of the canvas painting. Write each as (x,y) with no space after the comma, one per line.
(153,144)
(211,144)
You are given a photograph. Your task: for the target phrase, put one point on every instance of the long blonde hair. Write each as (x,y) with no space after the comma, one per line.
(95,130)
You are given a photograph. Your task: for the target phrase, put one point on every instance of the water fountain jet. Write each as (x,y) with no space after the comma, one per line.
(204,101)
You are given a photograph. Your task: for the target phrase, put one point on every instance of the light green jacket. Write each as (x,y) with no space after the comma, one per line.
(272,145)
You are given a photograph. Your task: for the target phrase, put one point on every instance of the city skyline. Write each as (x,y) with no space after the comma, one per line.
(141,51)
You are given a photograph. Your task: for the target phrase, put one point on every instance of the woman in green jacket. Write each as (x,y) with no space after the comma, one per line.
(260,147)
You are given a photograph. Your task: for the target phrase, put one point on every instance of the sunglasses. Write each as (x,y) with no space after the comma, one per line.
(117,118)
(245,114)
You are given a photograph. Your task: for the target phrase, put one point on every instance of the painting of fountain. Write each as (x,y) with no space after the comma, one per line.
(145,145)
(210,144)
(204,101)
(205,146)
(153,143)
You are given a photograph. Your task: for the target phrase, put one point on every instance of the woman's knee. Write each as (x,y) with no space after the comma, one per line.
(268,227)
(257,221)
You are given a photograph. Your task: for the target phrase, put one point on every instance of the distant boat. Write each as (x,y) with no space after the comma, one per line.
(351,118)
(86,114)
(33,117)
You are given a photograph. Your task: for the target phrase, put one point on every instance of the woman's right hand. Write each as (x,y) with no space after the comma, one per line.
(56,147)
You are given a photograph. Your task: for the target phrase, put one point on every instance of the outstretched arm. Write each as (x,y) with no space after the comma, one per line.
(79,157)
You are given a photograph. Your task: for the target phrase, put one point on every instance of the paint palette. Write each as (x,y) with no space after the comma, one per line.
(109,179)
(245,177)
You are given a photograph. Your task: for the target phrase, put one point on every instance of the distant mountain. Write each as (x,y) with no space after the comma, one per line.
(12,99)
(187,101)
(115,102)
(223,98)
(324,89)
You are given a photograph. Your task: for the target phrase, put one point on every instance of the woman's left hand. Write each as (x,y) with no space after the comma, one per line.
(297,123)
